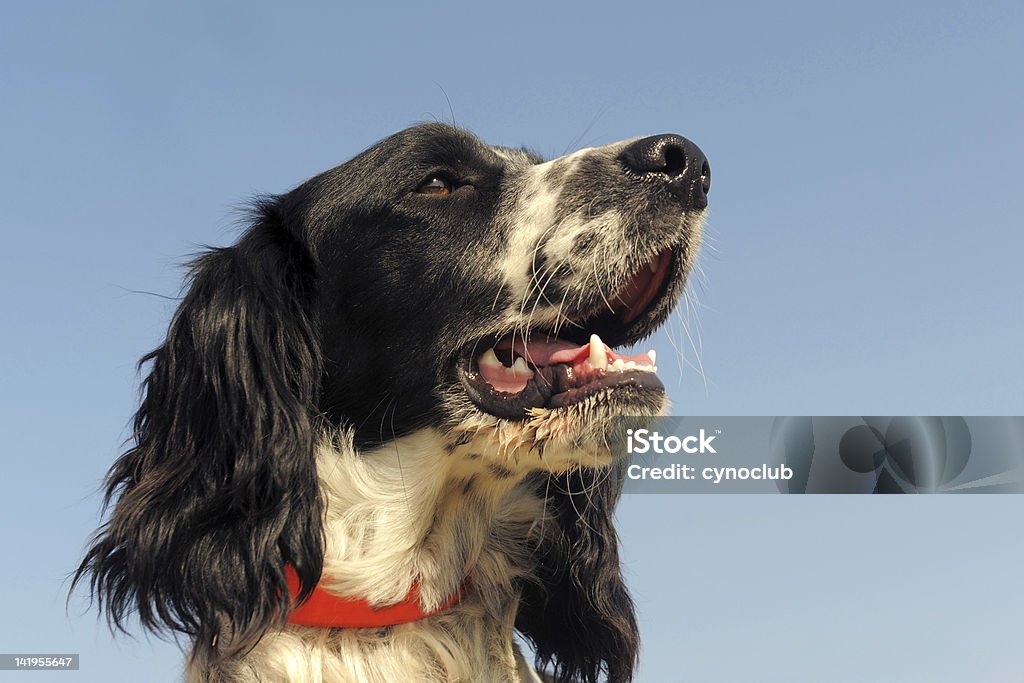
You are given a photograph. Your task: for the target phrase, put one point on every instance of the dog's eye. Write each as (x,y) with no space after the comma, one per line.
(436,185)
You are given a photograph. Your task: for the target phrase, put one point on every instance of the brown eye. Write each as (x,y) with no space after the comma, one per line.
(436,185)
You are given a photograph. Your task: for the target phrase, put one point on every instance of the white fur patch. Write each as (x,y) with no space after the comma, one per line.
(531,218)
(412,510)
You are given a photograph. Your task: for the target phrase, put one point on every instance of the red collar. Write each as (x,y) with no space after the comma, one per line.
(327,610)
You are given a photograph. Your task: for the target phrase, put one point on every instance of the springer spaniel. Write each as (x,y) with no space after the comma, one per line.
(374,445)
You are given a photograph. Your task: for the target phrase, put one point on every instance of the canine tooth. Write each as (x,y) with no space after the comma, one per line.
(521,368)
(489,359)
(653,355)
(598,357)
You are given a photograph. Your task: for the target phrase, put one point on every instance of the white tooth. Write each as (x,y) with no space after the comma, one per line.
(489,359)
(631,365)
(652,354)
(598,357)
(521,368)
(618,364)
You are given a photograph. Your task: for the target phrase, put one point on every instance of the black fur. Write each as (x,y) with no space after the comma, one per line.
(220,489)
(577,612)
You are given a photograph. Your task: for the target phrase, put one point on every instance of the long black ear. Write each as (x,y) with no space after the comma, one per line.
(578,614)
(220,491)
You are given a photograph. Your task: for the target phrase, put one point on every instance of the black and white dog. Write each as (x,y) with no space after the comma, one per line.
(374,443)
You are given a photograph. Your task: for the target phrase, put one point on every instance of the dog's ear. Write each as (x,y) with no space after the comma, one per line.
(577,613)
(219,491)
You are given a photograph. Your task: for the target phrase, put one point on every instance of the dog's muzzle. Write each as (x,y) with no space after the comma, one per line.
(645,188)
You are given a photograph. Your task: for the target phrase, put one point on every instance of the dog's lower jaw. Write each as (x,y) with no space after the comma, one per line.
(418,509)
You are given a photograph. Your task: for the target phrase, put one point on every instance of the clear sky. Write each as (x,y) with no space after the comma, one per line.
(864,258)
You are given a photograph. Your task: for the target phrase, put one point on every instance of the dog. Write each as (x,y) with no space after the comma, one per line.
(374,444)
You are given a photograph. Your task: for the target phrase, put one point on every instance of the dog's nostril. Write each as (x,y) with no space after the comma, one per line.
(705,177)
(674,161)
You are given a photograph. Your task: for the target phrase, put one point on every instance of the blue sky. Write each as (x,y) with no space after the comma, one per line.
(863,258)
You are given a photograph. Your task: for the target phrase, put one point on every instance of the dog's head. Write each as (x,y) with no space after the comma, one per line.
(432,282)
(461,284)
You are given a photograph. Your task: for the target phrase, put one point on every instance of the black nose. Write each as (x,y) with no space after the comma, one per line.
(674,159)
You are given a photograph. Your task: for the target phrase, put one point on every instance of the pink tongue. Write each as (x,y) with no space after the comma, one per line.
(537,352)
(503,379)
(560,351)
(577,354)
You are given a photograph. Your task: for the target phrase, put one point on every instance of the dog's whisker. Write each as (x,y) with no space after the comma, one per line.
(678,354)
(535,278)
(600,290)
(562,318)
(695,346)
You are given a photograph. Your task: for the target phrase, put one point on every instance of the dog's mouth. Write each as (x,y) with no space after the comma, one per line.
(509,376)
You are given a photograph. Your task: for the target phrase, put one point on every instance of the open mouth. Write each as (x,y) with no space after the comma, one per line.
(509,376)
